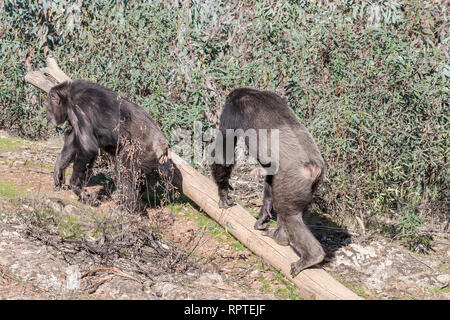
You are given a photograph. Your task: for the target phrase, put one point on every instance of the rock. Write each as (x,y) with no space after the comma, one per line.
(164,289)
(211,268)
(443,278)
(164,246)
(70,209)
(209,279)
(54,205)
(258,172)
(19,163)
(255,273)
(72,278)
(27,208)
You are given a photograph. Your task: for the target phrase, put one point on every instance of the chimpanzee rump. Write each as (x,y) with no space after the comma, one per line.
(300,166)
(94,111)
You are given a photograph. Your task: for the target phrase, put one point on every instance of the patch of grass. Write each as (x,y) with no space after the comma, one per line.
(288,289)
(440,291)
(70,228)
(79,224)
(361,292)
(9,189)
(443,268)
(213,227)
(354,286)
(41,214)
(252,211)
(265,285)
(272,223)
(409,230)
(38,165)
(280,286)
(10,144)
(238,246)
(59,223)
(175,207)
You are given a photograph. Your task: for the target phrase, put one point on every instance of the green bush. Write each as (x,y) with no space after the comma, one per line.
(368,78)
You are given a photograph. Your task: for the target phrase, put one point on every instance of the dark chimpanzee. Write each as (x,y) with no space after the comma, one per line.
(288,190)
(94,111)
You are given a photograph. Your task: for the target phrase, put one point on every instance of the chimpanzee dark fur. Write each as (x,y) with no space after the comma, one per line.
(300,167)
(94,111)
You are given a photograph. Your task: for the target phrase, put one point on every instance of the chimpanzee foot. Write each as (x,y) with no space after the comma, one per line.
(302,264)
(227,203)
(296,267)
(61,187)
(279,236)
(264,217)
(260,225)
(84,197)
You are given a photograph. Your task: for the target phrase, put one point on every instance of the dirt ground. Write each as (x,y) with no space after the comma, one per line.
(54,247)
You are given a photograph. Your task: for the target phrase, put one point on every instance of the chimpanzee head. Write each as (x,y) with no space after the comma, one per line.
(157,147)
(56,103)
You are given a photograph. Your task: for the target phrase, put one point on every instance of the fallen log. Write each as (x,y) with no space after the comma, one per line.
(313,283)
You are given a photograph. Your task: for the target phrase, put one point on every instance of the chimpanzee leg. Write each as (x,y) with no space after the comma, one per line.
(289,204)
(301,238)
(65,158)
(221,173)
(81,171)
(278,234)
(265,214)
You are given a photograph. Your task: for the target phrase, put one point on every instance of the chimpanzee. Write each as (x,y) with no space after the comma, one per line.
(94,112)
(299,166)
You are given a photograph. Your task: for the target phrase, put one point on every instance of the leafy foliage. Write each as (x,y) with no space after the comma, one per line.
(370,79)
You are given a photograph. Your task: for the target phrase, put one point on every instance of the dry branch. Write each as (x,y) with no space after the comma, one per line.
(313,283)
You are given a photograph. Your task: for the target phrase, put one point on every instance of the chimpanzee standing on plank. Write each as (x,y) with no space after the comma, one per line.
(299,167)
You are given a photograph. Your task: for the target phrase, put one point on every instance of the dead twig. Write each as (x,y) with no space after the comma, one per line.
(86,246)
(40,171)
(421,262)
(196,243)
(119,272)
(361,224)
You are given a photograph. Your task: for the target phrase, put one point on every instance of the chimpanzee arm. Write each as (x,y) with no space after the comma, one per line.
(86,147)
(81,171)
(65,158)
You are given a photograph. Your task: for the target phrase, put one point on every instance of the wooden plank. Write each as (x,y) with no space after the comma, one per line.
(313,283)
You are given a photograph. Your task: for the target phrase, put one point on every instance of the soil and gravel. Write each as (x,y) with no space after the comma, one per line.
(54,247)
